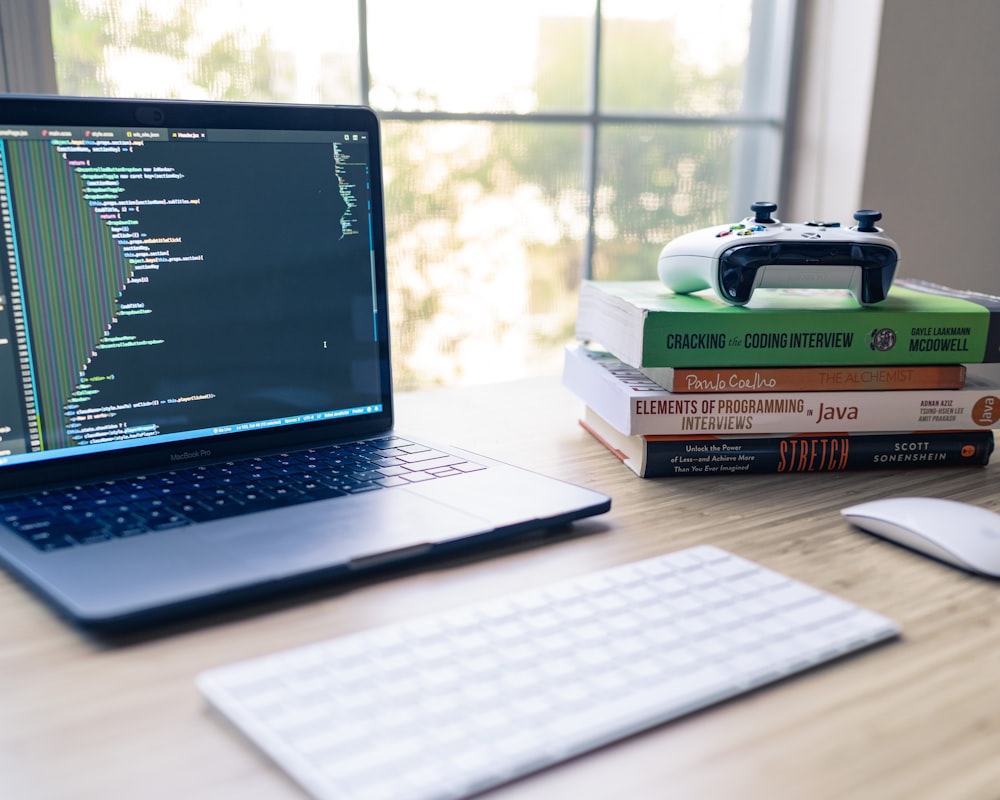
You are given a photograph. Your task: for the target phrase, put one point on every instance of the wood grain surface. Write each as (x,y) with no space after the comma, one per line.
(915,718)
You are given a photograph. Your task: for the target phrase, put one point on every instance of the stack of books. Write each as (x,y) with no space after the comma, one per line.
(800,381)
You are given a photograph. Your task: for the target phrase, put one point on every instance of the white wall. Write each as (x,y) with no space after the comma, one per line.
(832,109)
(932,164)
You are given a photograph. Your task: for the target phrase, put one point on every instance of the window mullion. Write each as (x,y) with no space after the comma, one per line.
(364,76)
(591,144)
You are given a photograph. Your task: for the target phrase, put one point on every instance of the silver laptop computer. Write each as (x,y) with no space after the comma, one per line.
(196,399)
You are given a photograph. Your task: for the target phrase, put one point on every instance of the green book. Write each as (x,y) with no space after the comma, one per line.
(646,325)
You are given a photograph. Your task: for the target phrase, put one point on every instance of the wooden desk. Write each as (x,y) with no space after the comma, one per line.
(916,718)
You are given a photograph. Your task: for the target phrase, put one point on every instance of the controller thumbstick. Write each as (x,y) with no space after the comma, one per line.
(762,212)
(866,220)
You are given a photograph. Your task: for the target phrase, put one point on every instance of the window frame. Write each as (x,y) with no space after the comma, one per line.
(27,65)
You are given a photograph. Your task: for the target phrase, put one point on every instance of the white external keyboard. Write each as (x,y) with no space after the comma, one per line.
(450,705)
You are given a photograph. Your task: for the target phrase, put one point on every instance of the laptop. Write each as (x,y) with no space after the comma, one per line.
(196,401)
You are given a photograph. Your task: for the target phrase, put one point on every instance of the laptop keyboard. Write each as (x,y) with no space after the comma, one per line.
(89,513)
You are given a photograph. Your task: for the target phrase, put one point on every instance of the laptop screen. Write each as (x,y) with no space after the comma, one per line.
(162,283)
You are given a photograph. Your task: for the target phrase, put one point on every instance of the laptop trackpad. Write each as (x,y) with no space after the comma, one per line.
(338,531)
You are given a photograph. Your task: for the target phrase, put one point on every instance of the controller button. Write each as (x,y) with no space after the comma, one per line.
(818,224)
(722,233)
(758,228)
(747,232)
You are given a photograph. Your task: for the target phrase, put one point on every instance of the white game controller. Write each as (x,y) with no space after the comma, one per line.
(762,252)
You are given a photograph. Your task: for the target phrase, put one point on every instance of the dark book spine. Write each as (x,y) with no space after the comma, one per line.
(819,453)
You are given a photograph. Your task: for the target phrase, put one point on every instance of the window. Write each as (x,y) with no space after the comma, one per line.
(528,144)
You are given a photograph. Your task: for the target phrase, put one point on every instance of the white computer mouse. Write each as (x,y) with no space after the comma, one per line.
(958,533)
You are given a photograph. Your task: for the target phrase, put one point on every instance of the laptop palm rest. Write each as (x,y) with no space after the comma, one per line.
(340,531)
